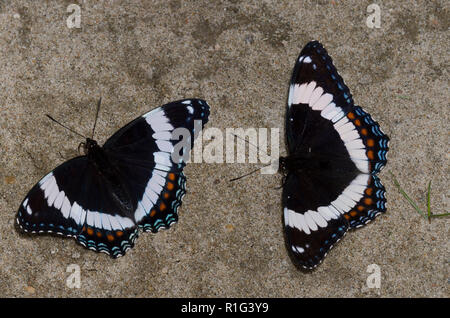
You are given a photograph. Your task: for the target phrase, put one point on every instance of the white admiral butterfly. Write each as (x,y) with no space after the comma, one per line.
(131,182)
(335,151)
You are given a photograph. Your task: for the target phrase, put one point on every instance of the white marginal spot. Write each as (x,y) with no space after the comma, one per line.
(190,109)
(307,59)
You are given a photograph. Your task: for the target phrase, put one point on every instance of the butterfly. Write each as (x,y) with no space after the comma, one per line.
(102,198)
(335,151)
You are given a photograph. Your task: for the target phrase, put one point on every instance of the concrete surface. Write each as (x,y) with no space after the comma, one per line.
(238,55)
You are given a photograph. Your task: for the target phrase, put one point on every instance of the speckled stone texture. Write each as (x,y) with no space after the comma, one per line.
(238,55)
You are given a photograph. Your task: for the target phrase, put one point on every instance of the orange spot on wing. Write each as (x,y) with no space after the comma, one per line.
(370,155)
(152,213)
(369,191)
(353,213)
(347,216)
(90,231)
(360,208)
(171,176)
(368,201)
(110,237)
(364,132)
(351,116)
(370,142)
(162,206)
(170,186)
(166,195)
(99,234)
(119,233)
(357,122)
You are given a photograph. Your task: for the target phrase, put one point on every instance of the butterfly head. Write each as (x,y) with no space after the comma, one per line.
(88,145)
(287,164)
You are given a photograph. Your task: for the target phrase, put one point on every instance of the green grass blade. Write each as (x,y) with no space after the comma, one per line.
(406,196)
(440,215)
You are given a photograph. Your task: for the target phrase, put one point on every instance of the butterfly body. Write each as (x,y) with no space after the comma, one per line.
(335,150)
(103,198)
(107,170)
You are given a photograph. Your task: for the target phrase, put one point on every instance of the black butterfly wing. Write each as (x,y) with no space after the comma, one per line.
(72,201)
(142,151)
(338,149)
(314,80)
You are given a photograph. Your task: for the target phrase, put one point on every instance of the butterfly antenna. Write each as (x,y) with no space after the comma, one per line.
(69,129)
(96,116)
(239,137)
(246,175)
(256,170)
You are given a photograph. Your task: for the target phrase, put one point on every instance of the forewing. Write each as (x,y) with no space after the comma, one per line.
(142,150)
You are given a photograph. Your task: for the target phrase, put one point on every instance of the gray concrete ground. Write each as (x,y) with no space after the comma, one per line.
(238,55)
